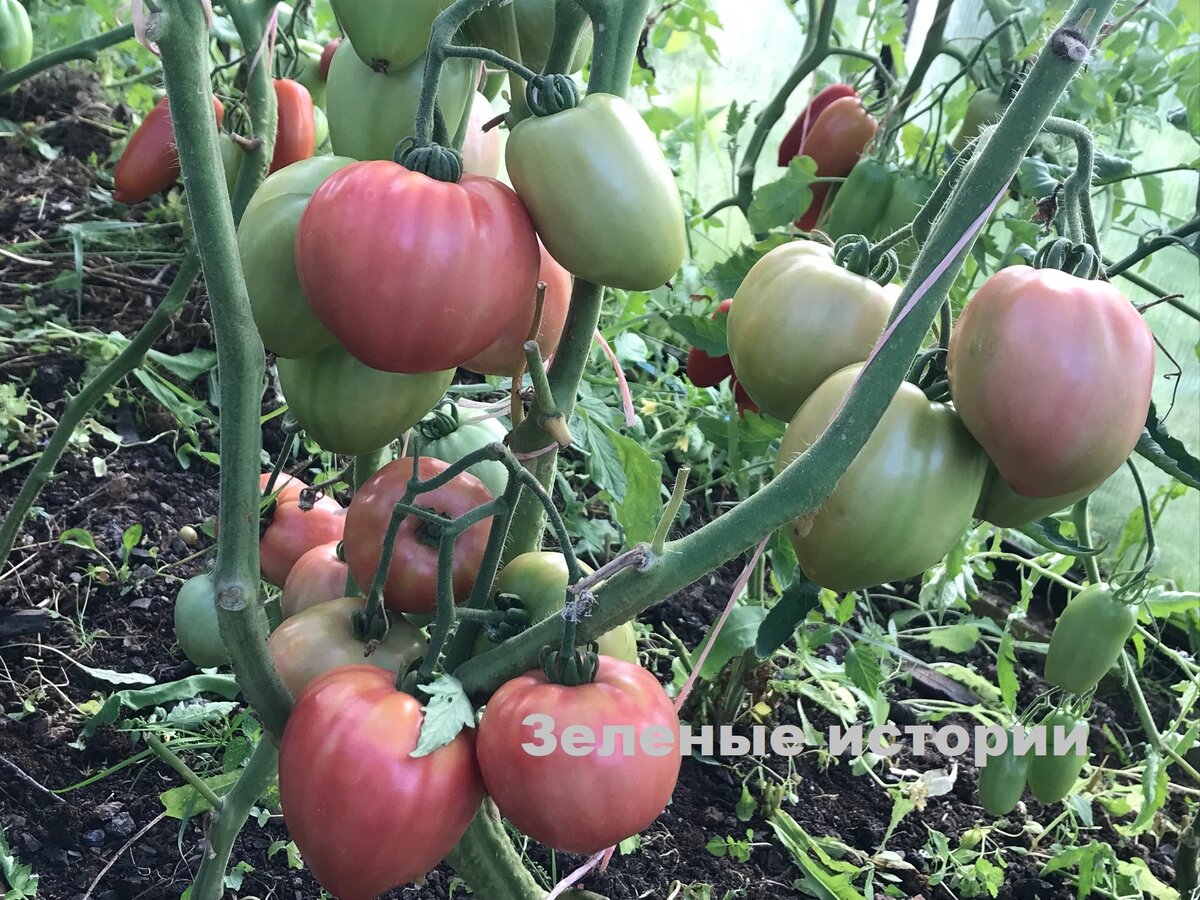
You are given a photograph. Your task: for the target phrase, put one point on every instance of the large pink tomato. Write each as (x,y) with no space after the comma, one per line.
(365,813)
(507,352)
(1052,375)
(412,274)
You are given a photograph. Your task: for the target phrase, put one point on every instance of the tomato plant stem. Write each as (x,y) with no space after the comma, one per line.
(250,19)
(167,755)
(934,46)
(183,39)
(227,823)
(1077,188)
(670,511)
(1083,534)
(488,862)
(569,20)
(85,49)
(811,477)
(125,362)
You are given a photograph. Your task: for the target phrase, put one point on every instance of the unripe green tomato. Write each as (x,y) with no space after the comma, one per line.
(862,199)
(196,623)
(1088,639)
(320,129)
(467,438)
(1000,505)
(350,408)
(309,73)
(903,503)
(798,318)
(1002,780)
(321,638)
(911,191)
(1052,777)
(600,192)
(231,160)
(984,108)
(388,34)
(370,112)
(16,36)
(540,579)
(267,244)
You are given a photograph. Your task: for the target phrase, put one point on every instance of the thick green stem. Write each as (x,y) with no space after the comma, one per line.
(569,22)
(250,18)
(91,394)
(226,824)
(171,758)
(85,49)
(1083,533)
(808,480)
(487,860)
(1078,187)
(183,39)
(445,26)
(617,26)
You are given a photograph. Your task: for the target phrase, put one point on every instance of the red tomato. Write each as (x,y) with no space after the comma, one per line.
(327,57)
(149,163)
(319,575)
(293,532)
(366,815)
(1052,375)
(789,147)
(507,352)
(296,137)
(411,584)
(705,370)
(835,142)
(612,796)
(412,274)
(743,399)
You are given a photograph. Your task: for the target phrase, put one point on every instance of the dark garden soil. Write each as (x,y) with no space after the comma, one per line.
(109,839)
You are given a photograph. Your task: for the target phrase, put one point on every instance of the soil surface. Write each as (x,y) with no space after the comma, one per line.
(86,814)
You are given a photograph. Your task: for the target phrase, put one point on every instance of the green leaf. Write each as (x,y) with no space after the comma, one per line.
(161,694)
(780,624)
(1155,780)
(737,635)
(726,277)
(1168,453)
(641,506)
(289,849)
(185,801)
(447,713)
(1006,670)
(1037,179)
(704,332)
(956,638)
(1108,166)
(824,877)
(604,461)
(746,806)
(188,366)
(782,202)
(18,876)
(78,537)
(862,665)
(1047,533)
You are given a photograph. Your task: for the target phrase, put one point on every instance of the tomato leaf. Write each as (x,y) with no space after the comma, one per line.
(185,801)
(862,665)
(781,622)
(738,635)
(446,714)
(782,202)
(17,875)
(702,331)
(161,694)
(1047,533)
(1168,453)
(641,506)
(726,276)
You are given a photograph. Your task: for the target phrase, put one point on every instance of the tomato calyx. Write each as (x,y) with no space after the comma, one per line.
(434,161)
(854,253)
(577,668)
(1067,256)
(550,94)
(440,423)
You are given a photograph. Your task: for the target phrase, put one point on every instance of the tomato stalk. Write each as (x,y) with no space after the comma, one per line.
(934,46)
(250,18)
(85,49)
(486,858)
(1077,188)
(183,38)
(1083,533)
(810,478)
(569,20)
